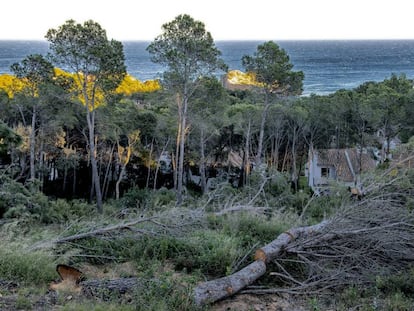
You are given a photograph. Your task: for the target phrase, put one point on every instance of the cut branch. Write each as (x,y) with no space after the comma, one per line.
(370,237)
(270,251)
(214,290)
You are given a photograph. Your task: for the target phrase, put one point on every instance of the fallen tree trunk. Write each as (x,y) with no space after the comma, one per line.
(214,290)
(270,251)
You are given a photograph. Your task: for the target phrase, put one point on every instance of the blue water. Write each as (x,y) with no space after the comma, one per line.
(328,65)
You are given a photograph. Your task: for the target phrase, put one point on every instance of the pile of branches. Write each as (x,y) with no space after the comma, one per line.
(362,240)
(371,238)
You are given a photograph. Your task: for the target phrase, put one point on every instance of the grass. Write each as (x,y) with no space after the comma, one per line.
(24,266)
(170,264)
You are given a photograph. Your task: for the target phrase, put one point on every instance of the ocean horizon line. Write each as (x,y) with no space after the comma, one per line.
(246,40)
(328,65)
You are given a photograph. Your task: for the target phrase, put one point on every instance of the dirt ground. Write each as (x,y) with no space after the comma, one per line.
(260,303)
(10,300)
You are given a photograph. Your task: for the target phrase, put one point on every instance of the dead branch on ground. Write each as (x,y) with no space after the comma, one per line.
(173,222)
(365,239)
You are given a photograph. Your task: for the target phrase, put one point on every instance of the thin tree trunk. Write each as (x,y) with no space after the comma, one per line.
(32,145)
(158,163)
(41,162)
(74,181)
(149,164)
(177,155)
(294,168)
(202,163)
(181,153)
(108,169)
(118,182)
(262,128)
(246,156)
(95,174)
(65,177)
(285,157)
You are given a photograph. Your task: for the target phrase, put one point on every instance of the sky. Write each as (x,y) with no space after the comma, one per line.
(224,19)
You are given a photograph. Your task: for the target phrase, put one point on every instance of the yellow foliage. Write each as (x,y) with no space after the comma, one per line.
(91,90)
(243,78)
(10,84)
(61,72)
(130,85)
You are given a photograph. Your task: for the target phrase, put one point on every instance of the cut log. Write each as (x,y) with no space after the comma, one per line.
(272,250)
(214,290)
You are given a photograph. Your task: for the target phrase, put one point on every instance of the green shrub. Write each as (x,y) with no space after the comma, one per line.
(15,199)
(61,211)
(156,200)
(23,303)
(163,295)
(278,184)
(210,252)
(135,197)
(27,267)
(250,229)
(398,302)
(351,296)
(26,202)
(402,282)
(258,228)
(207,251)
(325,206)
(162,197)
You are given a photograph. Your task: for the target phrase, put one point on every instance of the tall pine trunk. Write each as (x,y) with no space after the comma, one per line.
(180,172)
(202,163)
(262,128)
(90,116)
(32,145)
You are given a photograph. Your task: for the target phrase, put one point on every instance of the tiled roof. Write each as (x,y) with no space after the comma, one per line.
(346,162)
(403,158)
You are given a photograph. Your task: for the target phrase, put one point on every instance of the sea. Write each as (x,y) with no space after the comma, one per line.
(328,65)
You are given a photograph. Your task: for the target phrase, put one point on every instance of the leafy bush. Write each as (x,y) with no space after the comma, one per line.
(162,197)
(207,251)
(250,229)
(27,267)
(399,302)
(164,294)
(278,184)
(26,202)
(212,253)
(21,201)
(61,211)
(135,198)
(401,282)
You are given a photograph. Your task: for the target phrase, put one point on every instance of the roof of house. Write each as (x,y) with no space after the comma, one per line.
(346,162)
(403,158)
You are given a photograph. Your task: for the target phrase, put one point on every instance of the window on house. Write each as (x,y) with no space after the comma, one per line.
(325,171)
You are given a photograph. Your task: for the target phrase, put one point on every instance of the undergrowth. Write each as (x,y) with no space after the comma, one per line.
(218,245)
